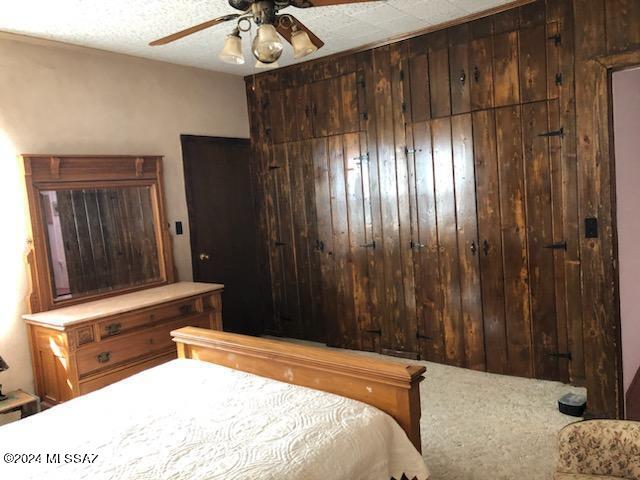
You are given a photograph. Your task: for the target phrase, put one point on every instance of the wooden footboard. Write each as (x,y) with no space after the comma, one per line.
(389,386)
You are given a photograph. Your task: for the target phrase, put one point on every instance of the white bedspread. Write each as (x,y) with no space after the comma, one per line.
(194,420)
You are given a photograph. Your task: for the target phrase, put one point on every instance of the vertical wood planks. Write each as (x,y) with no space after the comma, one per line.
(440,95)
(324,242)
(594,187)
(290,310)
(533,59)
(481,73)
(505,69)
(622,28)
(468,249)
(300,226)
(354,160)
(419,75)
(426,251)
(406,332)
(392,327)
(490,240)
(539,237)
(514,240)
(348,333)
(454,336)
(372,200)
(459,74)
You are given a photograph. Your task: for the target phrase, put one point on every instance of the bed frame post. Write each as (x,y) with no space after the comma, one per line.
(392,387)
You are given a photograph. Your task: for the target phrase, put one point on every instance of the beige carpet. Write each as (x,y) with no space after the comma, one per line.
(481,426)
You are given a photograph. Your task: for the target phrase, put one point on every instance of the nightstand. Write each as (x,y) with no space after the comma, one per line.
(18,400)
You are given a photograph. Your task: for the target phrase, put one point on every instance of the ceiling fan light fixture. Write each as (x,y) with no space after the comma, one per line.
(301,43)
(232,50)
(260,64)
(266,45)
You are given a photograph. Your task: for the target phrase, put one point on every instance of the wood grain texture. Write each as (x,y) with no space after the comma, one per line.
(389,386)
(539,66)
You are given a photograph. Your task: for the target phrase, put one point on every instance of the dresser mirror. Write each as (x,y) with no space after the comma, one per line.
(100,239)
(98,227)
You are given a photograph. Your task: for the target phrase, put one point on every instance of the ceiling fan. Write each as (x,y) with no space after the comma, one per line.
(266,46)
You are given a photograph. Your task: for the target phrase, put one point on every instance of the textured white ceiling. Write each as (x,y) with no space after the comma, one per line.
(127,26)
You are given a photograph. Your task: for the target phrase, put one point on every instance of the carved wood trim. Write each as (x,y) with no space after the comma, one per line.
(89,171)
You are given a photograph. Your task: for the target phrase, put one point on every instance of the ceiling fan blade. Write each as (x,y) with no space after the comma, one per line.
(194,29)
(326,3)
(286,31)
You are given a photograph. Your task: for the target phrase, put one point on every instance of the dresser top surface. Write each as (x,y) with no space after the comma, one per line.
(64,317)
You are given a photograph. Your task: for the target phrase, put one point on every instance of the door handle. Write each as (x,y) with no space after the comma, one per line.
(204,257)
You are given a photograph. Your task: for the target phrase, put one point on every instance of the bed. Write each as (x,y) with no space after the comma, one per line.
(232,407)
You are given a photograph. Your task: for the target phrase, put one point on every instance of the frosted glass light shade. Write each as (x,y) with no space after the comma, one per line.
(232,50)
(267,46)
(260,64)
(301,43)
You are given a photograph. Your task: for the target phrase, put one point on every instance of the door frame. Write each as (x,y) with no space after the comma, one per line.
(606,351)
(220,141)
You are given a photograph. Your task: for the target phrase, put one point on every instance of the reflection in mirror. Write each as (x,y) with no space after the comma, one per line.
(100,239)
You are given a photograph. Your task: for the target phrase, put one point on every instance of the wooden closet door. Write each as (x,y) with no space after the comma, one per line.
(289,301)
(424,243)
(490,240)
(323,244)
(542,245)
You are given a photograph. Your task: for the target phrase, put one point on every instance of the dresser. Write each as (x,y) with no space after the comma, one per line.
(84,347)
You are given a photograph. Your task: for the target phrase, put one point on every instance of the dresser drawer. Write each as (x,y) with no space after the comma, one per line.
(118,350)
(96,383)
(126,323)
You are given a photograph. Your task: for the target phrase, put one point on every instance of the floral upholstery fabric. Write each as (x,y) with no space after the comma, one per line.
(579,476)
(599,449)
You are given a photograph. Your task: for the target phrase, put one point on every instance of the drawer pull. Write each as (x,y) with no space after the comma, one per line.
(113,328)
(104,357)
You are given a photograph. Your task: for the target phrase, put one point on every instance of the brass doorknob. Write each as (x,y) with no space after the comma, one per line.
(204,257)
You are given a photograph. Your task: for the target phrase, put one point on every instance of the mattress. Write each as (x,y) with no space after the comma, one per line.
(193,420)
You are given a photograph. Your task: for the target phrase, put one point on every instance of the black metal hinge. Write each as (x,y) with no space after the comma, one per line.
(554,133)
(558,79)
(557,246)
(369,245)
(566,355)
(408,150)
(377,331)
(361,158)
(364,115)
(404,107)
(557,39)
(419,336)
(279,244)
(274,167)
(401,75)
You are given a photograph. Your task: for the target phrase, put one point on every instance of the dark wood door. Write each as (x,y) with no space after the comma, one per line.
(222,225)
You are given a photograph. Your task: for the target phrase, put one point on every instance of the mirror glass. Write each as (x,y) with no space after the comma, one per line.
(100,239)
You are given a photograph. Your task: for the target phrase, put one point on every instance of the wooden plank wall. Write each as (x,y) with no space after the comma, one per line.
(409,196)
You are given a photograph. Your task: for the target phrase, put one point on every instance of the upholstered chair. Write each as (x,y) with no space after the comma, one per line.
(599,450)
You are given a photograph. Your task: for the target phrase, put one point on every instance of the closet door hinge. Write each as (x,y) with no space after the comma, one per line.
(557,246)
(376,331)
(554,133)
(566,355)
(420,336)
(557,39)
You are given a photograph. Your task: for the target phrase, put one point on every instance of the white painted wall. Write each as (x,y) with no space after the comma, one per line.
(626,124)
(57,98)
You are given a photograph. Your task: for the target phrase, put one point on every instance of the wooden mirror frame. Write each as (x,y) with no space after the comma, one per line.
(59,172)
